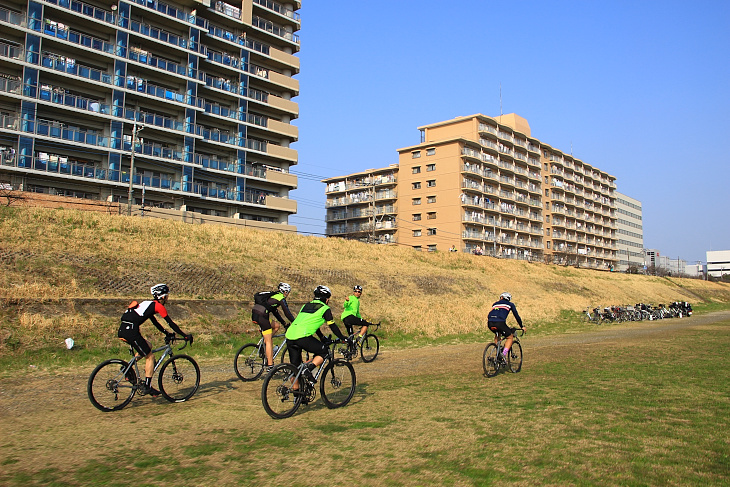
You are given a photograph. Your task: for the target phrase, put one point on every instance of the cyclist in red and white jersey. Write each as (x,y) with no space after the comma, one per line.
(129,329)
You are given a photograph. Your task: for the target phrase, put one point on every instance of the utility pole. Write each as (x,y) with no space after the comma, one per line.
(135,130)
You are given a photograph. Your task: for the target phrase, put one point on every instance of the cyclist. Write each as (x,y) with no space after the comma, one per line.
(266,302)
(351,315)
(138,313)
(497,320)
(300,335)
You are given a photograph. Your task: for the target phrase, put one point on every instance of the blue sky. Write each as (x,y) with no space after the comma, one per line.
(640,89)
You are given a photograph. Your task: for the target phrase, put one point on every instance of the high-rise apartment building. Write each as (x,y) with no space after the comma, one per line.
(630,233)
(484,185)
(191,99)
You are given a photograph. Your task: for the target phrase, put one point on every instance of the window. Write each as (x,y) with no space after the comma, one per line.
(417,185)
(431,167)
(416,201)
(431,151)
(416,169)
(416,217)
(431,183)
(431,199)
(431,231)
(417,247)
(416,233)
(432,248)
(415,154)
(431,215)
(548,244)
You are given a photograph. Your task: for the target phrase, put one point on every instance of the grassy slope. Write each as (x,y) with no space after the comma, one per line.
(47,254)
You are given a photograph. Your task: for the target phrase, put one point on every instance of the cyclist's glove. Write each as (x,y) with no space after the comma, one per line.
(169,337)
(189,338)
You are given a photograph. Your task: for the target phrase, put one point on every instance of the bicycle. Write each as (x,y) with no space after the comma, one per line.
(368,346)
(493,360)
(250,360)
(592,315)
(281,399)
(114,382)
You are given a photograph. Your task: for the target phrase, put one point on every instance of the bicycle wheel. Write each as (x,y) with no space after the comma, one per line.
(108,388)
(489,360)
(249,363)
(179,378)
(369,347)
(337,383)
(279,399)
(514,357)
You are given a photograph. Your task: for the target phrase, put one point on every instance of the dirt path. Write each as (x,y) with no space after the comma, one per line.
(33,394)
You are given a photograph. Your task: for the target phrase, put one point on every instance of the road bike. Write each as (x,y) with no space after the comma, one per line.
(286,387)
(493,360)
(368,346)
(592,315)
(114,382)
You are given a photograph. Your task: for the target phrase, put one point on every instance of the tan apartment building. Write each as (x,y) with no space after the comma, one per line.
(187,102)
(485,185)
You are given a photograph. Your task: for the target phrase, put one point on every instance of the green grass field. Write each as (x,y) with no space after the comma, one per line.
(586,409)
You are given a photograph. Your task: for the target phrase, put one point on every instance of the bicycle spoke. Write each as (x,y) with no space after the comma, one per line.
(109,389)
(249,362)
(279,398)
(179,378)
(337,383)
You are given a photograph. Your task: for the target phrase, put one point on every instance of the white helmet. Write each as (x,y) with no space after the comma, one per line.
(284,287)
(322,292)
(159,291)
(506,296)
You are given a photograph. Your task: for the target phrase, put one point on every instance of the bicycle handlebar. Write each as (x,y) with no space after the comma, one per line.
(175,339)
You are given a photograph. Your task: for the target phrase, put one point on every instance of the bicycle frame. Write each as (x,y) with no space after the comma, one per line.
(169,352)
(261,344)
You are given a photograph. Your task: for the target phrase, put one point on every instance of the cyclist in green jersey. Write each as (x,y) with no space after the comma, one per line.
(300,335)
(351,315)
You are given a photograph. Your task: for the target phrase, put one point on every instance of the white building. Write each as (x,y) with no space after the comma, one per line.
(630,232)
(718,262)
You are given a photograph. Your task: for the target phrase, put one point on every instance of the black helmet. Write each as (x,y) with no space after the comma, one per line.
(159,291)
(357,288)
(322,292)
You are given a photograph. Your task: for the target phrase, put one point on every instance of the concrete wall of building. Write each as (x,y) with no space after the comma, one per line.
(718,262)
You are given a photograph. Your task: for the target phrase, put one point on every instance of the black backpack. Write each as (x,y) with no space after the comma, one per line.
(262,298)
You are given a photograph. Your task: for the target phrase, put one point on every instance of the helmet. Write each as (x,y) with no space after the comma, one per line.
(322,292)
(357,288)
(284,287)
(506,296)
(159,291)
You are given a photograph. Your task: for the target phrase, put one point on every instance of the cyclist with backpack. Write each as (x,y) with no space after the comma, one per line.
(138,313)
(266,302)
(497,320)
(351,313)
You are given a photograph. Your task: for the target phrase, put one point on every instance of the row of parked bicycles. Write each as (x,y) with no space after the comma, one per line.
(638,312)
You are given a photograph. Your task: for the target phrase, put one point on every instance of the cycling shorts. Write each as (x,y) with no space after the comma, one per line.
(500,327)
(352,321)
(130,334)
(262,321)
(310,344)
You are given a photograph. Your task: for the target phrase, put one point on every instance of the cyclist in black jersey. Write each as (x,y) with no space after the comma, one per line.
(129,329)
(267,302)
(497,320)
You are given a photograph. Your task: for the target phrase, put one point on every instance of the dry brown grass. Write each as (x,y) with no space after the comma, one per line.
(47,254)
